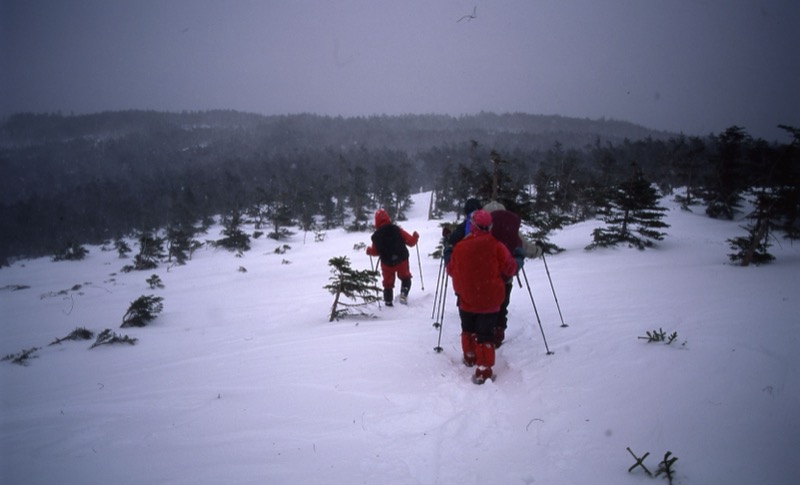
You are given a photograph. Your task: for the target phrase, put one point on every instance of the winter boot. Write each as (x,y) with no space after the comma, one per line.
(484,352)
(388,296)
(405,287)
(468,346)
(499,336)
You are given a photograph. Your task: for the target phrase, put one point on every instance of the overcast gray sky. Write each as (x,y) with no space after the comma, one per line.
(691,66)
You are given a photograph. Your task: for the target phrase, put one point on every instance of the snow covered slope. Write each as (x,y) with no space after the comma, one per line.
(242,379)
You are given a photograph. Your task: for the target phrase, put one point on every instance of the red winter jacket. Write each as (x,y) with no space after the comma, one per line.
(479,266)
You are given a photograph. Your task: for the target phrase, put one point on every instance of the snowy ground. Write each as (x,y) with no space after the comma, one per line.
(242,379)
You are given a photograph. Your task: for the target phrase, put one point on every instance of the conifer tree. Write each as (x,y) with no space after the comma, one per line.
(776,207)
(235,239)
(150,252)
(633,215)
(179,243)
(142,310)
(726,180)
(358,286)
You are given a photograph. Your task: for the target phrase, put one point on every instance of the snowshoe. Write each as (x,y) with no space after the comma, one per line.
(482,375)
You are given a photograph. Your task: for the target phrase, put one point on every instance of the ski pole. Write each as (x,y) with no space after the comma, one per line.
(438,347)
(438,286)
(554,291)
(374,269)
(440,304)
(419,262)
(536,311)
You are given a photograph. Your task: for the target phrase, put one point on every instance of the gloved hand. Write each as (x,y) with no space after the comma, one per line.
(519,256)
(533,250)
(416,236)
(446,230)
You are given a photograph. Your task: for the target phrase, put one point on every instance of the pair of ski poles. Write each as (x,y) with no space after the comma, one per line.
(440,298)
(535,311)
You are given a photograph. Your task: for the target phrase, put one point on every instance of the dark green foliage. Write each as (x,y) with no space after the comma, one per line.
(754,248)
(107,337)
(633,216)
(142,310)
(15,287)
(358,286)
(727,180)
(79,333)
(282,249)
(163,170)
(235,238)
(281,217)
(72,252)
(155,282)
(151,250)
(665,466)
(122,248)
(21,358)
(180,244)
(660,336)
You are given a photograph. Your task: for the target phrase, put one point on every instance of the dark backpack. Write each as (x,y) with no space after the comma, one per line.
(389,244)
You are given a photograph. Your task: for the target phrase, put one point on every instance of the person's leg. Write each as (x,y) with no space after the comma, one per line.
(388,283)
(404,275)
(502,317)
(468,337)
(485,324)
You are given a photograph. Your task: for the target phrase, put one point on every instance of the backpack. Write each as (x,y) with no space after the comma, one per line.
(389,244)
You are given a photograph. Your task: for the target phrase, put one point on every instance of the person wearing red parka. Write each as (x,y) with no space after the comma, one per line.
(389,243)
(480,266)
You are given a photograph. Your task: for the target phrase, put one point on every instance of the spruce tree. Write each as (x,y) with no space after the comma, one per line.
(235,239)
(726,180)
(633,215)
(142,310)
(151,249)
(358,286)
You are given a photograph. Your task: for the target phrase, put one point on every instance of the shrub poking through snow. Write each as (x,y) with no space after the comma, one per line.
(155,282)
(664,466)
(358,286)
(79,333)
(21,358)
(142,310)
(660,336)
(107,337)
(72,252)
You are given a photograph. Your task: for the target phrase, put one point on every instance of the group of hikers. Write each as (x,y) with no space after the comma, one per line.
(482,255)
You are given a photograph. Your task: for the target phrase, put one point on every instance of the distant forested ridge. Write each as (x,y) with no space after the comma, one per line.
(91,179)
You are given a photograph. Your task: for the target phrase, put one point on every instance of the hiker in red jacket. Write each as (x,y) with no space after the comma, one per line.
(389,243)
(480,266)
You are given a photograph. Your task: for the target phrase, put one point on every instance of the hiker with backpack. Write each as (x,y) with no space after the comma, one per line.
(506,229)
(480,265)
(452,235)
(389,243)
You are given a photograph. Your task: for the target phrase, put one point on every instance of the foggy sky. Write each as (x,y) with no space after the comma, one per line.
(691,66)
